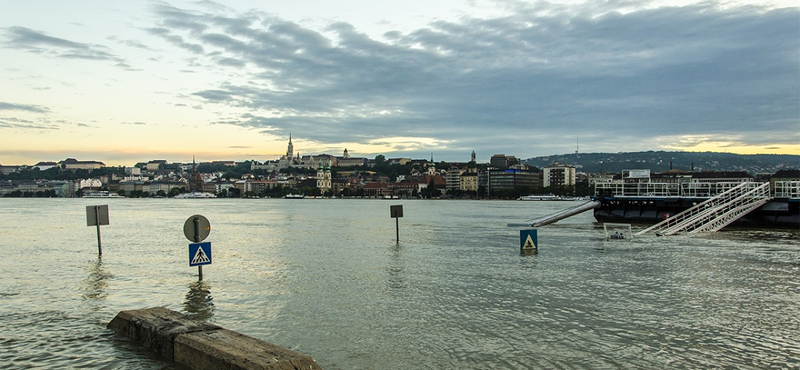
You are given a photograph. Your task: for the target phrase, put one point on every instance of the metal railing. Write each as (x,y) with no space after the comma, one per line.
(787,189)
(715,213)
(659,189)
(780,189)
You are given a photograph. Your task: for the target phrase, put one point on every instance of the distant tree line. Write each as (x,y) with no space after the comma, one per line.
(660,161)
(30,194)
(56,173)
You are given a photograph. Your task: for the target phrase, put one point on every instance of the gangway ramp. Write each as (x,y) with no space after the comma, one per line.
(715,213)
(560,215)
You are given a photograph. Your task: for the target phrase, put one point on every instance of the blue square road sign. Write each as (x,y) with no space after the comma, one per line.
(199,254)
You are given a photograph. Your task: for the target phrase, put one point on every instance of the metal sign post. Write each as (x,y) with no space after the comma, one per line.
(96,216)
(196,229)
(396,212)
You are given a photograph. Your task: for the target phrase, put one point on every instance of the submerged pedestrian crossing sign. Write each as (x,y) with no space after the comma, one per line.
(199,254)
(528,240)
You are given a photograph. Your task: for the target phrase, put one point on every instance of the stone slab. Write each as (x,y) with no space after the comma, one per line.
(200,345)
(156,327)
(225,349)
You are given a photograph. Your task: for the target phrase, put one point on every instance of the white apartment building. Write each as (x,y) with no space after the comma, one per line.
(558,175)
(453,178)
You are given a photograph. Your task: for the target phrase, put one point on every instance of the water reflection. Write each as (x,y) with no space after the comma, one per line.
(528,252)
(396,280)
(94,286)
(198,303)
(774,238)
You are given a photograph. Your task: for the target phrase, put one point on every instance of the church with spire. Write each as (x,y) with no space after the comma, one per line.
(324,180)
(431,167)
(289,159)
(196,180)
(292,159)
(289,150)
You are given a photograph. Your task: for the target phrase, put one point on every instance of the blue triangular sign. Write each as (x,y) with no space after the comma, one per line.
(528,240)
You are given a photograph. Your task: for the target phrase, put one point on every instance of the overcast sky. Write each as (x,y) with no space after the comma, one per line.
(124,82)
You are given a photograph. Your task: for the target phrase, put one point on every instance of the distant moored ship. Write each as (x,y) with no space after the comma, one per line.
(738,200)
(195,195)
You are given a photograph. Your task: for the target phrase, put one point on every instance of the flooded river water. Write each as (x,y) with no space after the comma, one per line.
(326,278)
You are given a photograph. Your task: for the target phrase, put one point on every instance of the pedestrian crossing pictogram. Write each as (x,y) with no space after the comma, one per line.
(200,257)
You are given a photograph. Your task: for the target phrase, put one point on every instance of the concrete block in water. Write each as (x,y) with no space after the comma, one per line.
(225,349)
(157,327)
(200,345)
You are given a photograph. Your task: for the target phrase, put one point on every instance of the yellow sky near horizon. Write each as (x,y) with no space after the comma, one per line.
(129,156)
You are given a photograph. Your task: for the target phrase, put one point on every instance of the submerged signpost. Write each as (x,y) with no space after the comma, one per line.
(196,228)
(397,212)
(96,216)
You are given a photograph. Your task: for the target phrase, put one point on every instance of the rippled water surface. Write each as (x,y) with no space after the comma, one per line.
(326,278)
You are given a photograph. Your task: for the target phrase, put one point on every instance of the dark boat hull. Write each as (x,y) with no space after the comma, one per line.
(778,213)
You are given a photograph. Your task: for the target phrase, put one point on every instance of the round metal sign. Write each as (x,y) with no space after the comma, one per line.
(196,228)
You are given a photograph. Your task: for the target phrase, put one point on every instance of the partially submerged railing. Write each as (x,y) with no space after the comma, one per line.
(715,213)
(780,189)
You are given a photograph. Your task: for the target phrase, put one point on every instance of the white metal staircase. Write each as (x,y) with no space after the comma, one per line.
(715,213)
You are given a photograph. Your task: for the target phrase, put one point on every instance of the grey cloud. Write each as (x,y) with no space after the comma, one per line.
(176,40)
(215,95)
(188,25)
(519,81)
(224,41)
(16,120)
(32,41)
(23,107)
(136,44)
(25,37)
(19,123)
(180,18)
(127,67)
(230,62)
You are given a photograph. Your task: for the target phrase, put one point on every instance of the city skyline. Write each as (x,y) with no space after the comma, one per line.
(123,83)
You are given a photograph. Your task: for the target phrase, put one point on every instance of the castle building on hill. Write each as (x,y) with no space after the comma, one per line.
(292,159)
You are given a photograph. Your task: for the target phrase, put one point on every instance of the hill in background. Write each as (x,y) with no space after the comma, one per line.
(659,161)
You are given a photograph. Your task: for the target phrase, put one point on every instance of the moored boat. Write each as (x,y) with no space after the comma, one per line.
(652,202)
(540,197)
(101,194)
(195,195)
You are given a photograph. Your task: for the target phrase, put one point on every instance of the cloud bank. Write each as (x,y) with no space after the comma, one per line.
(502,84)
